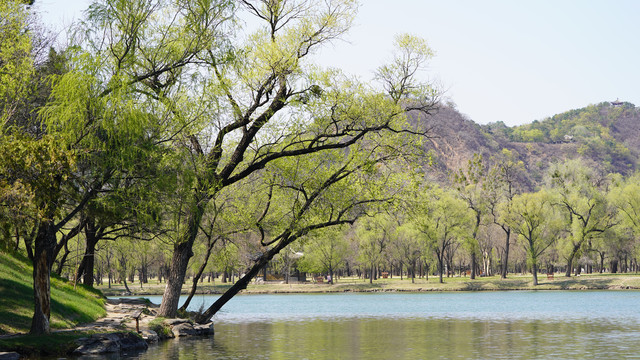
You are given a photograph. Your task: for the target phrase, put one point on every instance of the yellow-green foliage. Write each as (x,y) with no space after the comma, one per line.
(69,306)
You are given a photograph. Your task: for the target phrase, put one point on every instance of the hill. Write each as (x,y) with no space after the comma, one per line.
(69,305)
(604,135)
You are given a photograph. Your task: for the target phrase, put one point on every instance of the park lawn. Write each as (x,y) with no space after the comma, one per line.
(69,306)
(354,284)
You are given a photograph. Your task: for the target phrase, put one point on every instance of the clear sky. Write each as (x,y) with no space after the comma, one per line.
(499,60)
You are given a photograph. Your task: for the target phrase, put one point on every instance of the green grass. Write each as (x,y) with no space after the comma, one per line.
(55,344)
(69,306)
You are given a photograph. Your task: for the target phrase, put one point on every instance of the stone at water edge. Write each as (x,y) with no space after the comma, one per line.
(110,343)
(149,336)
(184,329)
(204,329)
(9,356)
(174,322)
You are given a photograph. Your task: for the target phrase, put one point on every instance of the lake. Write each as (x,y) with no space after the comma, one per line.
(456,325)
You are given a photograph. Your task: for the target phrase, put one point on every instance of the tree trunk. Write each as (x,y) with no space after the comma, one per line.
(413,272)
(63,260)
(86,267)
(371,273)
(242,283)
(569,265)
(331,275)
(473,265)
(175,278)
(198,274)
(505,260)
(45,246)
(534,270)
(182,252)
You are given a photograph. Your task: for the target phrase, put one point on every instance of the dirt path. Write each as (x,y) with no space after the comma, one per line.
(120,316)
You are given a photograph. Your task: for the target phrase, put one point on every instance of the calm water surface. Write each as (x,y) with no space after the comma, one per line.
(479,325)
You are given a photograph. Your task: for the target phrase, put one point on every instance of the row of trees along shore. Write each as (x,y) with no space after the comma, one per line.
(186,137)
(580,220)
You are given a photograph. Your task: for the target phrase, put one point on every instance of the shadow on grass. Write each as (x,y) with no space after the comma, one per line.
(15,296)
(54,344)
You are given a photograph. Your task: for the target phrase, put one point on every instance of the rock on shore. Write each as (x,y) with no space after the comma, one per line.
(110,343)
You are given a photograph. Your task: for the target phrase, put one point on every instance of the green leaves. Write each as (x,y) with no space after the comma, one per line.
(16,63)
(399,78)
(31,174)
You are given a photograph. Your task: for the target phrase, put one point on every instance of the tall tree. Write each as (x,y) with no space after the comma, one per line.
(503,183)
(325,252)
(271,104)
(581,192)
(470,185)
(443,220)
(531,216)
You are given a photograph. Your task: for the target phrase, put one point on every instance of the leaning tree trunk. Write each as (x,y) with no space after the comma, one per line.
(45,246)
(242,283)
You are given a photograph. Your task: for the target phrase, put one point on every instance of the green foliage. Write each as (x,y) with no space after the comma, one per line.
(16,64)
(588,127)
(625,196)
(582,197)
(158,325)
(443,219)
(325,251)
(55,344)
(532,217)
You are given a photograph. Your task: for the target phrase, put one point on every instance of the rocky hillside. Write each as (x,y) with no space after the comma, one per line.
(605,135)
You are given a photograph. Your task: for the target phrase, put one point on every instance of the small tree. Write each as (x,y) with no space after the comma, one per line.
(443,220)
(325,251)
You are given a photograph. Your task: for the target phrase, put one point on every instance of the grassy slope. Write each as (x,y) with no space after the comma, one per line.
(69,306)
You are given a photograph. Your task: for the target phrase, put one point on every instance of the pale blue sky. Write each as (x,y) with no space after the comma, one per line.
(499,60)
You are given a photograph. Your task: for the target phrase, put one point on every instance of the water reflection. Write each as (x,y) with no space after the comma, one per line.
(405,339)
(559,325)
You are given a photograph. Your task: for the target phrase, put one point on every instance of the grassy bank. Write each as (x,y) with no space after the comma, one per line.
(513,282)
(69,305)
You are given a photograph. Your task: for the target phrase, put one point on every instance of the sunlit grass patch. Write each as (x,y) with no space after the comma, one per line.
(69,305)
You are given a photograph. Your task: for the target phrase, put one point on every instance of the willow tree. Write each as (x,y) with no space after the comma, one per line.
(502,185)
(232,100)
(265,101)
(533,217)
(582,196)
(318,192)
(470,183)
(99,129)
(16,61)
(443,220)
(325,251)
(625,196)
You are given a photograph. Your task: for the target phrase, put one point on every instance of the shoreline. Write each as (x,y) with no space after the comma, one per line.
(614,282)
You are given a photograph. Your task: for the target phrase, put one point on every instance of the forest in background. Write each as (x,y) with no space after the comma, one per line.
(168,141)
